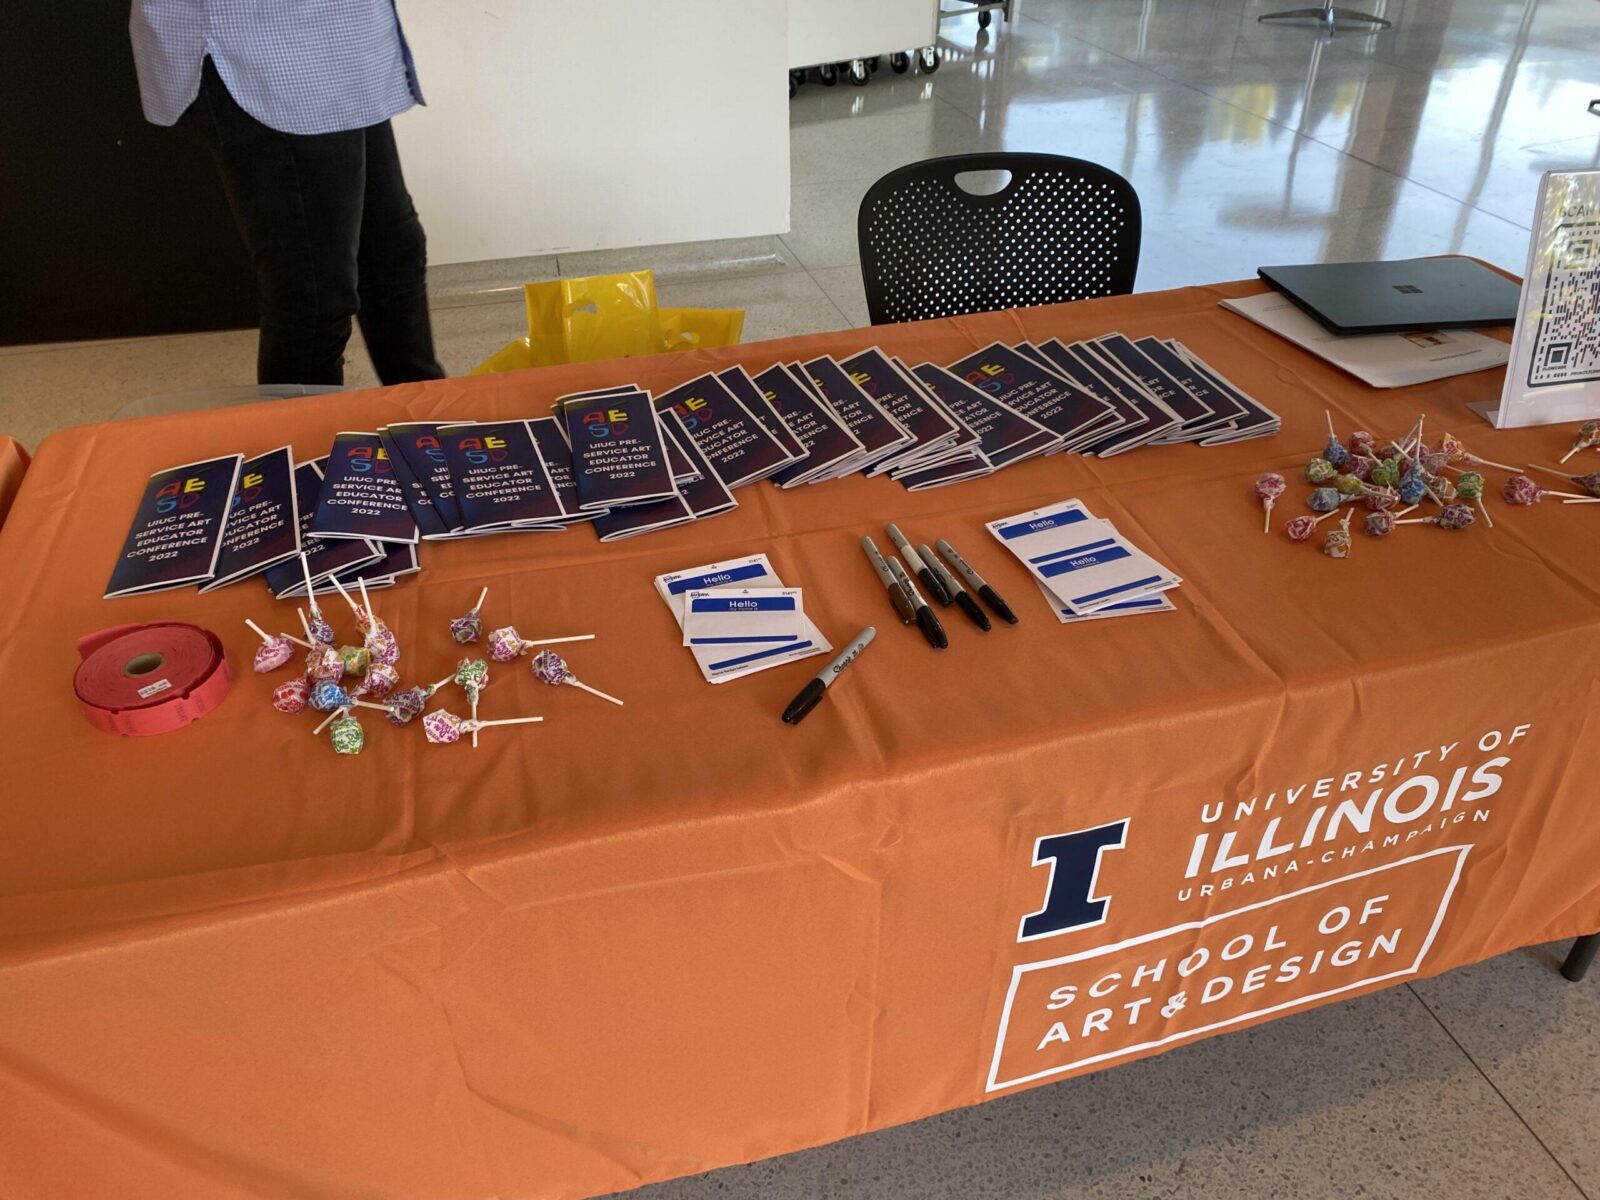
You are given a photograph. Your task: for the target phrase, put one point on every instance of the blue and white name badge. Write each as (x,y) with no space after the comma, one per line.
(1079,558)
(743,617)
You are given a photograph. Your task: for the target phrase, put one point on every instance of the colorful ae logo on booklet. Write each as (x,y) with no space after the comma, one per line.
(369,460)
(694,411)
(180,494)
(864,381)
(481,450)
(613,422)
(991,377)
(249,490)
(429,445)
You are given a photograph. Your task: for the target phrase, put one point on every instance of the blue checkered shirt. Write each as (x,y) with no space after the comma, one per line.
(299,66)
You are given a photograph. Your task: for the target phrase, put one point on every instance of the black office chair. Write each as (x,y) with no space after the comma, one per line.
(1060,229)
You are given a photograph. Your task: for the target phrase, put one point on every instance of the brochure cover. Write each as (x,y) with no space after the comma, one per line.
(263,520)
(422,451)
(361,495)
(727,433)
(498,476)
(619,454)
(324,557)
(827,442)
(177,529)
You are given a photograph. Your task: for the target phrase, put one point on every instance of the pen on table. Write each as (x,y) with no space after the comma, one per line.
(902,601)
(926,621)
(917,567)
(953,586)
(811,695)
(976,582)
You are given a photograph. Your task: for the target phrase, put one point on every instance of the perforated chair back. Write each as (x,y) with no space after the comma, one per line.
(1061,229)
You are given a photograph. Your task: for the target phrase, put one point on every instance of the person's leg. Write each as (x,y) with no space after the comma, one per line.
(297,200)
(394,270)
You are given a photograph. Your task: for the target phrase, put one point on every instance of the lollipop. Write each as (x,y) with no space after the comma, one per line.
(1589,483)
(291,697)
(1269,487)
(1334,451)
(1412,487)
(473,676)
(1588,435)
(1379,524)
(1361,468)
(1320,470)
(326,695)
(381,644)
(1300,529)
(551,668)
(1451,516)
(1521,490)
(363,615)
(1348,485)
(1381,499)
(347,735)
(445,728)
(405,706)
(379,681)
(355,659)
(318,630)
(506,645)
(1324,499)
(1363,444)
(1336,542)
(273,651)
(1456,451)
(1441,489)
(468,627)
(1385,473)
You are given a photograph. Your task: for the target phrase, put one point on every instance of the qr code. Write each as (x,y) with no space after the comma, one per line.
(1566,347)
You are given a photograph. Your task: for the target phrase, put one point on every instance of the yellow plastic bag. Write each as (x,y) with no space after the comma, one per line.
(608,316)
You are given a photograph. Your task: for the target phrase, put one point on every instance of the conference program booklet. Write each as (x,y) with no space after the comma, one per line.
(557,456)
(932,429)
(361,496)
(619,454)
(1005,436)
(737,380)
(1041,395)
(498,477)
(325,557)
(726,431)
(422,452)
(263,527)
(176,535)
(816,426)
(879,433)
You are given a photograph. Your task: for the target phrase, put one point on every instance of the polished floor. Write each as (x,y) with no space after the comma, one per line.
(1249,144)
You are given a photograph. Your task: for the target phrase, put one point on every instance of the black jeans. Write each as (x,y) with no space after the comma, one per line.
(332,233)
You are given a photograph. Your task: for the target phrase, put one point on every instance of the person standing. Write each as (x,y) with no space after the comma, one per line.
(293,98)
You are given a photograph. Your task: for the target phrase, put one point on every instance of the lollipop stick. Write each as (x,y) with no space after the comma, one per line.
(1266,524)
(260,632)
(1579,499)
(482,596)
(474,718)
(581,637)
(1575,448)
(347,597)
(330,719)
(434,687)
(1487,519)
(311,595)
(1569,495)
(366,601)
(507,721)
(592,691)
(1332,436)
(1549,470)
(304,624)
(1490,463)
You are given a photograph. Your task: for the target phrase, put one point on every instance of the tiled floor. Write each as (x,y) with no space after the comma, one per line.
(1248,144)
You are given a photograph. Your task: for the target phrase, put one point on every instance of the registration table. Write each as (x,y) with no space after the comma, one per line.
(633,943)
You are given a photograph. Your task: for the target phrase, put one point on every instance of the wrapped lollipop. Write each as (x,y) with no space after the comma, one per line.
(1452,517)
(405,706)
(1521,490)
(1363,444)
(506,645)
(1589,483)
(1336,542)
(1588,435)
(1381,499)
(380,679)
(1324,499)
(355,659)
(1348,486)
(1334,452)
(327,695)
(362,614)
(444,728)
(1385,473)
(322,661)
(273,651)
(291,697)
(1300,529)
(468,627)
(1378,524)
(1320,470)
(551,668)
(1268,488)
(1441,488)
(1413,488)
(318,629)
(1456,451)
(1469,487)
(473,676)
(1361,468)
(344,732)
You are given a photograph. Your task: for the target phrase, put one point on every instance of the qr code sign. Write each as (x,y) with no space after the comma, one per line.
(1567,345)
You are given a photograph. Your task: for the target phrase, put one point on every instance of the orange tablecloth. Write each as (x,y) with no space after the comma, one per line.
(642,941)
(13,465)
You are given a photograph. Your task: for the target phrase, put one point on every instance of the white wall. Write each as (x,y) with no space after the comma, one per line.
(566,125)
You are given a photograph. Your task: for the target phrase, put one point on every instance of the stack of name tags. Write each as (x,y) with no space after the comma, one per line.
(630,463)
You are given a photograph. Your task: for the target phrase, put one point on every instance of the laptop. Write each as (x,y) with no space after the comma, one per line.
(1401,296)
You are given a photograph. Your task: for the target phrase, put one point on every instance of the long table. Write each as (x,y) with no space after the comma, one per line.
(638,942)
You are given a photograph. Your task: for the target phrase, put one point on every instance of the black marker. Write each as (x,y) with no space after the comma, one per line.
(917,567)
(926,621)
(976,582)
(902,601)
(953,586)
(811,695)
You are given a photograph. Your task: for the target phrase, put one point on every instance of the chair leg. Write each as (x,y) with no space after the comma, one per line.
(1581,957)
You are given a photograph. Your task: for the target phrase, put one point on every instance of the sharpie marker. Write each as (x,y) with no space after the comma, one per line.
(953,586)
(926,621)
(811,695)
(976,582)
(917,567)
(902,601)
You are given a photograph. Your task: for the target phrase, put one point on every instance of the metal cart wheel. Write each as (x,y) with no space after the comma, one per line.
(899,62)
(860,74)
(827,75)
(928,59)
